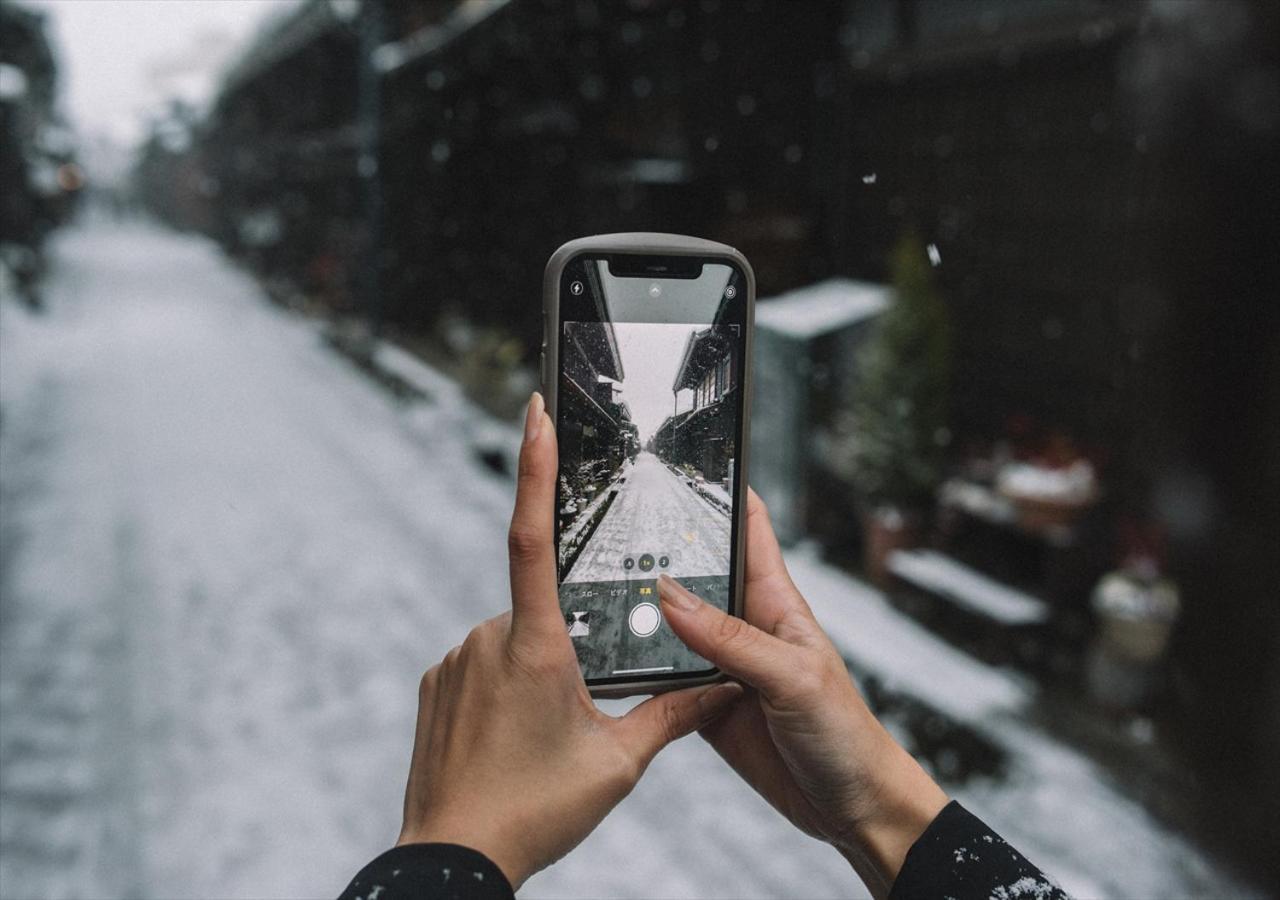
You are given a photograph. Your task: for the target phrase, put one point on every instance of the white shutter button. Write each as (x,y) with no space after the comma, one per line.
(644,619)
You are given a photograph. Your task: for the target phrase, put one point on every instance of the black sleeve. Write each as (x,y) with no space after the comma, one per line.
(960,857)
(432,872)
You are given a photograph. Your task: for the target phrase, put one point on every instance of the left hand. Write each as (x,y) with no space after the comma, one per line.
(511,756)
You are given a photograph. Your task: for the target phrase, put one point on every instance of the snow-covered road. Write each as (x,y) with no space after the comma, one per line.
(226,557)
(655,514)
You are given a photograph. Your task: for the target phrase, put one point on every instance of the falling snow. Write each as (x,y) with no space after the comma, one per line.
(229,557)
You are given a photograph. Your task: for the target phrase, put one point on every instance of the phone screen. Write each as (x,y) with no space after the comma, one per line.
(649,420)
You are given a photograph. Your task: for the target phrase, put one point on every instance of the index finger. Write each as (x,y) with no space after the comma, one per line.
(535,604)
(771,595)
(732,645)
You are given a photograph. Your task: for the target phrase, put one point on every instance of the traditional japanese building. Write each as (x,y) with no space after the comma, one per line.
(702,437)
(595,431)
(37,168)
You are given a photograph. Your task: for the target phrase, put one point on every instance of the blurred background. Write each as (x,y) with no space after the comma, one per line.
(271,308)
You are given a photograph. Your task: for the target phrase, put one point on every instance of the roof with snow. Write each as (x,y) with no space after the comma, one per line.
(821,308)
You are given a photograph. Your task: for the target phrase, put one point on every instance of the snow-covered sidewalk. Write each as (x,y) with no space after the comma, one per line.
(227,557)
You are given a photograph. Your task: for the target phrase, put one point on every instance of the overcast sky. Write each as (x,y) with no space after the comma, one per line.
(650,357)
(121,60)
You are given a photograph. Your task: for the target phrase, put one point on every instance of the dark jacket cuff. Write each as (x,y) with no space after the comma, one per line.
(434,871)
(958,856)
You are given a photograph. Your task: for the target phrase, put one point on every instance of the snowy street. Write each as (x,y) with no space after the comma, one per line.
(228,559)
(228,556)
(655,513)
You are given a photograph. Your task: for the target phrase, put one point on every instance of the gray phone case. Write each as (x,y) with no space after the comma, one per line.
(666,245)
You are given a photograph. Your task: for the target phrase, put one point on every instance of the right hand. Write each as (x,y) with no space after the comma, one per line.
(804,738)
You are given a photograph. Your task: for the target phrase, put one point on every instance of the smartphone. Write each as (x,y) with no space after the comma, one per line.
(646,372)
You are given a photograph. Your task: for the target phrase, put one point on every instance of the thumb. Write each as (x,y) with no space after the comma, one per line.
(668,717)
(535,606)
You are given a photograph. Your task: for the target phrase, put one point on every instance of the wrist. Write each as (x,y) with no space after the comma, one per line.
(489,844)
(901,804)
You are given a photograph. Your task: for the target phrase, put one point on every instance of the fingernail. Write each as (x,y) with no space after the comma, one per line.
(714,701)
(670,591)
(533,418)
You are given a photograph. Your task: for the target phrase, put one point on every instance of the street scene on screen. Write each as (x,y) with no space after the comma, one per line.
(647,426)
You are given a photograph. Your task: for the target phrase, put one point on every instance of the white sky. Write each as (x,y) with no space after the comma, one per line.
(650,357)
(651,350)
(121,60)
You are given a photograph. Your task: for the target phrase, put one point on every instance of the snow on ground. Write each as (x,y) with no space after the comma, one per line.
(655,512)
(716,494)
(225,558)
(967,587)
(585,515)
(1055,805)
(905,656)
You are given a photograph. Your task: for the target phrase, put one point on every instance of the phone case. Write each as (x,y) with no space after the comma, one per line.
(666,245)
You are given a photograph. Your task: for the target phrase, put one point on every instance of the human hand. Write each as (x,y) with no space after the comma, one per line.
(804,738)
(511,756)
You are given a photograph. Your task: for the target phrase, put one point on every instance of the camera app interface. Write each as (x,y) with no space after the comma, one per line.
(649,410)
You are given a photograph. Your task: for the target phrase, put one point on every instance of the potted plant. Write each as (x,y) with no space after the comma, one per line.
(1137,607)
(899,433)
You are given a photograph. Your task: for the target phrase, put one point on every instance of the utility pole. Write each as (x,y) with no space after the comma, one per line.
(675,402)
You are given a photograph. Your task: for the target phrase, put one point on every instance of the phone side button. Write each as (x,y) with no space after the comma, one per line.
(542,367)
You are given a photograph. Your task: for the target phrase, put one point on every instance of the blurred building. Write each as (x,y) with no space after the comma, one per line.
(1100,181)
(806,346)
(543,121)
(1097,182)
(277,176)
(39,178)
(475,136)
